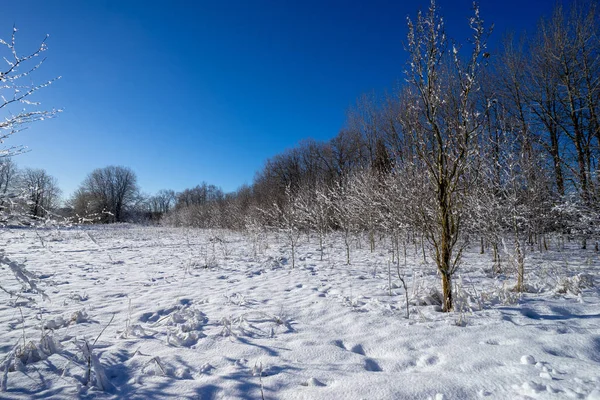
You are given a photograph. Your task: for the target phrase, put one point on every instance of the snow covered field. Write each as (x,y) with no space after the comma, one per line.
(177,313)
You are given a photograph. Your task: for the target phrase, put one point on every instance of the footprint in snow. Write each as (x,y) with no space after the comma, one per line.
(428,361)
(185,302)
(358,349)
(298,286)
(369,364)
(339,343)
(155,316)
(313,382)
(323,291)
(372,365)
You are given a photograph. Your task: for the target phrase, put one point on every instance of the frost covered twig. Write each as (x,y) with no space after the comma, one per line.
(26,278)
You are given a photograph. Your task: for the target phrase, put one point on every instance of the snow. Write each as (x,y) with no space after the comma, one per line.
(146,312)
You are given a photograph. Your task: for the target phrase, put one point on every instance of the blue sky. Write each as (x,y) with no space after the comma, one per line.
(189,91)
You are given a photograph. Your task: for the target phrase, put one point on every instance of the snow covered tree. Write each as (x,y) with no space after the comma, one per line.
(364,194)
(343,216)
(314,208)
(16,90)
(42,192)
(445,129)
(287,219)
(8,181)
(18,108)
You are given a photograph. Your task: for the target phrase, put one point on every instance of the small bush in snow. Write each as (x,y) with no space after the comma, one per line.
(27,353)
(575,284)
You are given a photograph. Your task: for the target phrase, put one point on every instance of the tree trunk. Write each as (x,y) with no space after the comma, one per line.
(423,249)
(321,244)
(444,246)
(497,267)
(347,243)
(556,161)
(520,267)
(446,292)
(293,255)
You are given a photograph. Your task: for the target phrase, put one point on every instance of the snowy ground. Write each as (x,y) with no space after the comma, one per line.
(216,315)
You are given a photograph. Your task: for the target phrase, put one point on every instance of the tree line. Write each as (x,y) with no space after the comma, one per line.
(475,145)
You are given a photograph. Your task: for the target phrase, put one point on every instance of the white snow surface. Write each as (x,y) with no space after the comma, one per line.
(152,312)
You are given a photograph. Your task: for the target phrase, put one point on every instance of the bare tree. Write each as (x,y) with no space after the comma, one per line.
(287,219)
(84,207)
(161,203)
(343,212)
(16,90)
(314,210)
(446,127)
(42,192)
(346,152)
(8,174)
(17,106)
(363,196)
(363,121)
(109,192)
(572,44)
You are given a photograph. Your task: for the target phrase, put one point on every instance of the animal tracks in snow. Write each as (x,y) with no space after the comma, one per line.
(369,364)
(251,322)
(428,361)
(358,349)
(372,365)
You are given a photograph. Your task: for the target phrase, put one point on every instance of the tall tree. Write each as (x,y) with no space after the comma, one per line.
(43,193)
(445,128)
(110,192)
(18,108)
(8,173)
(162,202)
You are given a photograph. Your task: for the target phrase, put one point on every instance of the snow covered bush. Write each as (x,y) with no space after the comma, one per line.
(575,284)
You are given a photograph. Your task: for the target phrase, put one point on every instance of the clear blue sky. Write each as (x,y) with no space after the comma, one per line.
(190,91)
